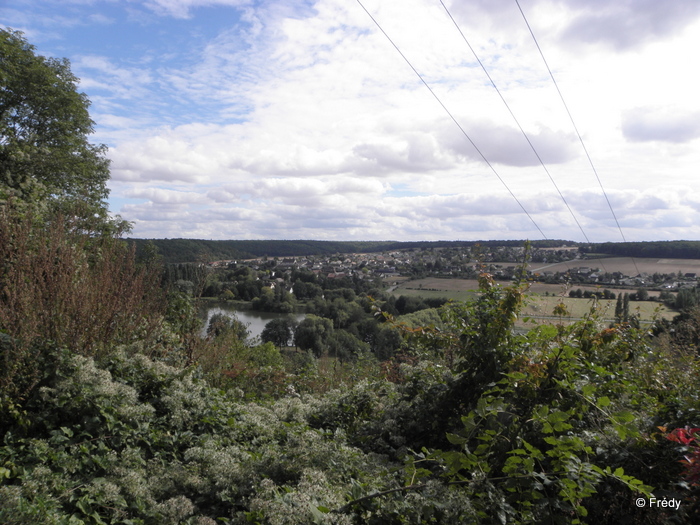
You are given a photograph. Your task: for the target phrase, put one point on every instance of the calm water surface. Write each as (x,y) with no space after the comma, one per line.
(255,321)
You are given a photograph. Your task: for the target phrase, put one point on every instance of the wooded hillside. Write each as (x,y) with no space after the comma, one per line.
(661,249)
(194,250)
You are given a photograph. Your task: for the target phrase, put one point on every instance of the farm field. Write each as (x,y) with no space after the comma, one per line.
(625,265)
(538,305)
(455,289)
(462,289)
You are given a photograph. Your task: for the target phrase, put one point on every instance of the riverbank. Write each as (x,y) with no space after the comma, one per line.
(254,320)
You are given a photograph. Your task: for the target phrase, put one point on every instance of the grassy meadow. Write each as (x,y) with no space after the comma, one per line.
(542,298)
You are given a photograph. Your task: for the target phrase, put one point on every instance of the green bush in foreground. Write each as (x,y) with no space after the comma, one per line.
(141,442)
(563,433)
(472,423)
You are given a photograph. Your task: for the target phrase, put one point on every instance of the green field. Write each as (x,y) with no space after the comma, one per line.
(626,265)
(432,287)
(539,306)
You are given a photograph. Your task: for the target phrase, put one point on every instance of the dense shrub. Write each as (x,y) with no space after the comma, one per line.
(137,441)
(116,410)
(62,284)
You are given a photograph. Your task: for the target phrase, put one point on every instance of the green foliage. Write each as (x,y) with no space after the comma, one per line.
(540,428)
(222,324)
(276,299)
(686,299)
(141,442)
(529,439)
(44,125)
(313,334)
(59,284)
(192,276)
(479,336)
(554,425)
(194,250)
(279,331)
(386,342)
(429,317)
(345,346)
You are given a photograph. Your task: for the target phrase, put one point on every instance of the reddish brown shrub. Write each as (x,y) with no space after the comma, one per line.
(76,290)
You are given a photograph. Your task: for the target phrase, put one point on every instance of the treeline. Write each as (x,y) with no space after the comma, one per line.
(189,250)
(664,249)
(201,250)
(197,250)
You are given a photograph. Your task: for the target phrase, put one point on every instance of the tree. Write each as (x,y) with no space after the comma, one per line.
(345,346)
(62,289)
(686,298)
(386,343)
(221,324)
(279,331)
(642,294)
(313,334)
(619,309)
(44,128)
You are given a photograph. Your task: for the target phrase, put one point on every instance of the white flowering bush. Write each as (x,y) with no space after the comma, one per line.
(560,415)
(137,441)
(308,501)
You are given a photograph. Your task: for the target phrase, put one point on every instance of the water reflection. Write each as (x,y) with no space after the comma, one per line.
(255,321)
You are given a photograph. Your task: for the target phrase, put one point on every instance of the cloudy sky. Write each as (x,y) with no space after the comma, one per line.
(292,119)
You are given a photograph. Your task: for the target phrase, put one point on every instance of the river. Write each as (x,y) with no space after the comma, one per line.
(255,321)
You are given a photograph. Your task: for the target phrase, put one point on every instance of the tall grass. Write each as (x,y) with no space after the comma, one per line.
(61,286)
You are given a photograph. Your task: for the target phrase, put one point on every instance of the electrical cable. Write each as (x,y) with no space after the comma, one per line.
(583,145)
(517,122)
(453,119)
(527,138)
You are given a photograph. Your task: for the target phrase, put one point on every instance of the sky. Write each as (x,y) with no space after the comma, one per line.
(379,120)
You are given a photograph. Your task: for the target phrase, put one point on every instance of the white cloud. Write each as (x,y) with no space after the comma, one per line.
(506,144)
(166,196)
(294,208)
(300,120)
(626,24)
(100,74)
(666,124)
(621,25)
(417,152)
(183,8)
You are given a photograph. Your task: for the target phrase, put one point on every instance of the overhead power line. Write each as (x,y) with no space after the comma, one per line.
(466,135)
(573,123)
(517,122)
(527,138)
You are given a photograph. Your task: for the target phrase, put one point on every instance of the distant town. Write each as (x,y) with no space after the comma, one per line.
(547,265)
